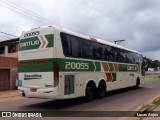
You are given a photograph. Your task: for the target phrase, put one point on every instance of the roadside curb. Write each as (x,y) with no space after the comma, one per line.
(139,107)
(147,102)
(8,94)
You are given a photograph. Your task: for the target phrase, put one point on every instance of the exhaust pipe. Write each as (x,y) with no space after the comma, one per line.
(23,94)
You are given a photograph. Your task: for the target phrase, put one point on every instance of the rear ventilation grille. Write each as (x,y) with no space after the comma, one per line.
(69,84)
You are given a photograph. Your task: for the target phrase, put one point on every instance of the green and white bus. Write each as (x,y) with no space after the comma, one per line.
(60,64)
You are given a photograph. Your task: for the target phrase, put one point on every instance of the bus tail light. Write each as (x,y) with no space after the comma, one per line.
(56,74)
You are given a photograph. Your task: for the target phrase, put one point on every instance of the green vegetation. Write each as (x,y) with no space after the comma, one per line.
(157,102)
(149,107)
(151,63)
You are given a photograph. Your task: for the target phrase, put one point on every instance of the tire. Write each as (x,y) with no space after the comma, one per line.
(137,83)
(90,92)
(101,91)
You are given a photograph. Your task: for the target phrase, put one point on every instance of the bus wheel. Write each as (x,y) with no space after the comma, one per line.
(90,91)
(101,91)
(137,83)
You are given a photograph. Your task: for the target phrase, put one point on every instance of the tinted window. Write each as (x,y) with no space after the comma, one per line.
(136,58)
(120,55)
(86,48)
(66,44)
(108,53)
(75,46)
(83,48)
(141,59)
(125,55)
(97,50)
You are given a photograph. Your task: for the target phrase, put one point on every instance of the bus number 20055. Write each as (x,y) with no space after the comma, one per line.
(76,65)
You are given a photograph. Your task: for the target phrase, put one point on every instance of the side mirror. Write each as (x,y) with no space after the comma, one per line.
(145,64)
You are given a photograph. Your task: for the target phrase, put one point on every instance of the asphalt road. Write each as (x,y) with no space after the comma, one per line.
(119,100)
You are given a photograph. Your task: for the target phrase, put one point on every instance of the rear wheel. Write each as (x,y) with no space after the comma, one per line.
(90,92)
(101,91)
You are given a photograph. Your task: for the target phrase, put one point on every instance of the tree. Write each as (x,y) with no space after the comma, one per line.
(152,64)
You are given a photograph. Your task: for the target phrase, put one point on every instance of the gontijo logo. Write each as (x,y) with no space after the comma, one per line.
(30,43)
(36,42)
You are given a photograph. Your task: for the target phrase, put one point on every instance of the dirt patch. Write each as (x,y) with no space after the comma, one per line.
(11,98)
(152,77)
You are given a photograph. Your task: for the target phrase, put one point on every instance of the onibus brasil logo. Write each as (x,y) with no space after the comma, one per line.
(31,77)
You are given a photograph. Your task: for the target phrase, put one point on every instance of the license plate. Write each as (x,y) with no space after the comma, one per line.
(33,89)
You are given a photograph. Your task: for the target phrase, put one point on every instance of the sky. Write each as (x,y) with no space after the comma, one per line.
(136,21)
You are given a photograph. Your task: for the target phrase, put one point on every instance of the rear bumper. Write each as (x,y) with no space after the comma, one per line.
(48,93)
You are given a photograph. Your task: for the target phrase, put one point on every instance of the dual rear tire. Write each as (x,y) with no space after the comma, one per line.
(101,90)
(92,92)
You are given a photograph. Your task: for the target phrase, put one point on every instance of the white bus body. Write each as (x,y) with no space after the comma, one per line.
(59,64)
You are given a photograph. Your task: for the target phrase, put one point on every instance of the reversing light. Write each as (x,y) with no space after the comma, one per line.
(56,74)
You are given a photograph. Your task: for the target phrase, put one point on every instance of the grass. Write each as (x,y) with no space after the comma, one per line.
(149,107)
(157,102)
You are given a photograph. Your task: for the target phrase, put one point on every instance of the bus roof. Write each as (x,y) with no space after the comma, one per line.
(89,38)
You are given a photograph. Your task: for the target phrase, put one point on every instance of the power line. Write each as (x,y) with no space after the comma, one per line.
(32,12)
(28,13)
(17,9)
(4,36)
(23,11)
(8,34)
(19,12)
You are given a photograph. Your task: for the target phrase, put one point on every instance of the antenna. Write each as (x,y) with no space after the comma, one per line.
(118,41)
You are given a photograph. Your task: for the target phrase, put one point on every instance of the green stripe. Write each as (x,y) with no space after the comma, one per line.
(114,75)
(111,67)
(31,78)
(122,67)
(98,66)
(71,65)
(35,67)
(50,39)
(65,65)
(128,68)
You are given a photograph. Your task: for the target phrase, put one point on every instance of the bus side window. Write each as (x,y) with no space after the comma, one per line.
(119,57)
(97,51)
(126,59)
(86,49)
(66,44)
(108,53)
(75,46)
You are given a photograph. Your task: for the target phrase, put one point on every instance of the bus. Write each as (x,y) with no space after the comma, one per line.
(57,63)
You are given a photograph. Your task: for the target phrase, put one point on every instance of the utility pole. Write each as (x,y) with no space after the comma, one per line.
(118,41)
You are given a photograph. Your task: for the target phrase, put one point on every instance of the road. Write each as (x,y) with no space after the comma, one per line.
(119,100)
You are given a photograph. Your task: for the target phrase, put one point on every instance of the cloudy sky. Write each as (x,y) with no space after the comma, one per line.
(136,21)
